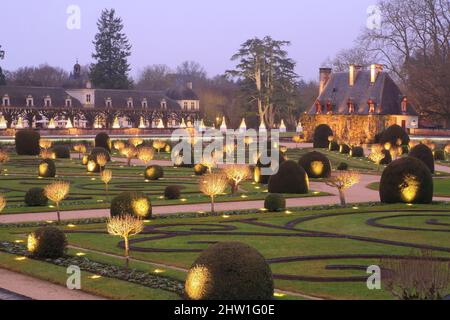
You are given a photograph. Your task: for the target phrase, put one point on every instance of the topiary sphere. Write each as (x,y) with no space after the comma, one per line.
(154,172)
(97,150)
(172,192)
(200,169)
(344,149)
(47,168)
(357,152)
(131,203)
(47,242)
(102,140)
(258,177)
(440,155)
(27,142)
(35,197)
(406,180)
(229,271)
(343,166)
(333,146)
(423,153)
(274,202)
(321,134)
(61,152)
(393,134)
(291,178)
(387,157)
(316,165)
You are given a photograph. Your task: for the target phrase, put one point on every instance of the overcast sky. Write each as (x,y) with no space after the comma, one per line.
(171,31)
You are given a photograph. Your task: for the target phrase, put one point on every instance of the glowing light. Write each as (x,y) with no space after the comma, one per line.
(80,254)
(263,209)
(142,123)
(91,166)
(288,212)
(20,258)
(32,242)
(3,124)
(223,126)
(317,167)
(51,124)
(69,124)
(141,207)
(355,208)
(197,281)
(95,277)
(225,216)
(116,124)
(243,126)
(70,225)
(159,271)
(19,241)
(409,188)
(183,200)
(282,126)
(49,221)
(244,196)
(278,295)
(160,124)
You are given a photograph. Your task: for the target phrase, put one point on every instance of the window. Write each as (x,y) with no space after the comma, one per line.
(193,105)
(185,105)
(351,107)
(30,101)
(404,104)
(318,107)
(144,103)
(47,102)
(68,102)
(371,105)
(163,104)
(108,102)
(130,103)
(88,98)
(5,100)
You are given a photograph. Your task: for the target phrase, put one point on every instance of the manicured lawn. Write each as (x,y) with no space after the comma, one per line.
(441,187)
(326,253)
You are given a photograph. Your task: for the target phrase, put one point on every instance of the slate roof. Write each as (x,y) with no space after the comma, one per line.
(18,96)
(385,93)
(119,99)
(182,93)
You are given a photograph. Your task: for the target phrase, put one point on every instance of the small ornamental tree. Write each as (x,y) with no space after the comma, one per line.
(145,154)
(102,160)
(213,184)
(135,141)
(2,203)
(129,152)
(343,180)
(4,158)
(125,226)
(45,144)
(80,148)
(57,192)
(377,155)
(158,145)
(235,174)
(106,176)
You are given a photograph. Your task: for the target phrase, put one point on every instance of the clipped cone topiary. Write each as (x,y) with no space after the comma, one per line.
(321,134)
(344,149)
(333,146)
(423,153)
(291,178)
(61,152)
(229,271)
(258,177)
(406,180)
(47,168)
(102,140)
(357,152)
(316,165)
(154,172)
(27,142)
(395,135)
(131,203)
(172,192)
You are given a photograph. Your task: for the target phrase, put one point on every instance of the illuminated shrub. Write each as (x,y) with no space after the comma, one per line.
(344,149)
(316,165)
(357,152)
(131,203)
(395,135)
(406,180)
(423,153)
(85,160)
(172,192)
(168,148)
(321,134)
(47,242)
(47,168)
(102,140)
(200,169)
(97,150)
(229,271)
(291,178)
(387,157)
(92,165)
(275,202)
(258,177)
(27,142)
(35,197)
(154,172)
(61,152)
(439,155)
(342,166)
(333,146)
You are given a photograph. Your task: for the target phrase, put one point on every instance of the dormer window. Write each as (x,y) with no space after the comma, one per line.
(193,105)
(185,105)
(30,101)
(144,103)
(351,106)
(371,105)
(88,98)
(163,104)
(318,107)
(68,102)
(108,102)
(329,106)
(47,102)
(5,101)
(404,104)
(130,103)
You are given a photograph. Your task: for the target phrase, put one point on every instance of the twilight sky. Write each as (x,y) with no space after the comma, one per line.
(171,31)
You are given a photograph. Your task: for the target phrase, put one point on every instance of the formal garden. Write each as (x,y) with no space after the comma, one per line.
(302,239)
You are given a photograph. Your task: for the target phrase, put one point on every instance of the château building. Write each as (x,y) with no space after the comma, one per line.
(358,104)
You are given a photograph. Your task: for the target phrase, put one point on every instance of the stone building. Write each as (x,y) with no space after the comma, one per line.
(358,104)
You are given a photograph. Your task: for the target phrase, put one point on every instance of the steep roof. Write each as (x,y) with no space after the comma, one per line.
(119,99)
(18,95)
(183,93)
(385,93)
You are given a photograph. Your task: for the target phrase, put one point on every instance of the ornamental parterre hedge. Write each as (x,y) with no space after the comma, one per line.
(423,153)
(235,271)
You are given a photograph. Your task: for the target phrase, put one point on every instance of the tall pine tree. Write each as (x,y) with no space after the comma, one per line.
(2,75)
(111,52)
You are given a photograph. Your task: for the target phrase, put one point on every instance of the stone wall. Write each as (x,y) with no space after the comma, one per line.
(354,129)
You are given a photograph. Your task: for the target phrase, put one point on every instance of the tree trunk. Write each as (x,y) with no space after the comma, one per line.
(127,257)
(212,204)
(57,213)
(342,197)
(234,187)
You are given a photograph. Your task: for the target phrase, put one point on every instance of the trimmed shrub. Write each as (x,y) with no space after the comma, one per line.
(344,149)
(35,197)
(200,169)
(97,150)
(291,178)
(47,242)
(92,165)
(61,152)
(321,134)
(405,149)
(392,134)
(27,142)
(154,172)
(387,157)
(275,202)
(47,168)
(85,159)
(172,192)
(316,165)
(343,166)
(262,178)
(333,146)
(357,152)
(102,140)
(423,153)
(229,271)
(131,203)
(439,155)
(406,180)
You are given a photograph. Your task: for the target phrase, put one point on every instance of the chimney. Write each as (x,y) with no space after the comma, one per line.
(325,74)
(375,70)
(189,85)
